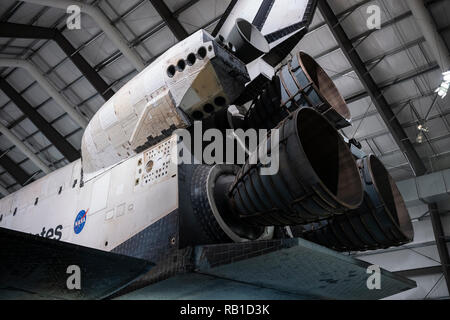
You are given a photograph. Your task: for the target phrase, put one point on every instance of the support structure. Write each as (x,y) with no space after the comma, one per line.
(14,169)
(441,241)
(441,54)
(3,191)
(428,27)
(21,31)
(25,150)
(47,86)
(372,89)
(168,17)
(103,22)
(224,17)
(66,149)
(390,120)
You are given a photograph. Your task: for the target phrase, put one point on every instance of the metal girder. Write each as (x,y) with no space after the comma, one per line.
(3,191)
(49,88)
(50,133)
(391,122)
(103,22)
(428,27)
(342,15)
(11,10)
(15,30)
(358,38)
(224,17)
(14,170)
(372,89)
(400,79)
(441,243)
(137,41)
(168,17)
(26,150)
(89,72)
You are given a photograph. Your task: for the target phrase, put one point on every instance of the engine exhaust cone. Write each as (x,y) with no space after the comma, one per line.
(317,176)
(382,220)
(305,83)
(301,83)
(248,41)
(211,208)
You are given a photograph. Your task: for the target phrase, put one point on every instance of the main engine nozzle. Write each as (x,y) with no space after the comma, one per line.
(381,221)
(300,83)
(317,176)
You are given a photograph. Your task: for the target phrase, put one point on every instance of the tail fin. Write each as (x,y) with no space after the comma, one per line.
(276,19)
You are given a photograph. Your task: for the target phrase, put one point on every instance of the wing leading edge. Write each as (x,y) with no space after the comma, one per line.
(36,268)
(275,269)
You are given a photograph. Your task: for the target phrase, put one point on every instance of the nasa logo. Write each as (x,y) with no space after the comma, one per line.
(80,221)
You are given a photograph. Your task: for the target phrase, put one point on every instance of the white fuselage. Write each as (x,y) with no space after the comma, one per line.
(117,189)
(120,201)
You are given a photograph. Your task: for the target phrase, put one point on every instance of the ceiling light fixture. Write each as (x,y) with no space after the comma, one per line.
(422,128)
(446,76)
(421,136)
(445,85)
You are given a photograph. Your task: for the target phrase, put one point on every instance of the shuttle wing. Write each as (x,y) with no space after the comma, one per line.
(32,267)
(274,269)
(36,268)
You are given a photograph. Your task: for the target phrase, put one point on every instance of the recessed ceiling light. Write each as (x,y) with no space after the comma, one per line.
(420,137)
(445,85)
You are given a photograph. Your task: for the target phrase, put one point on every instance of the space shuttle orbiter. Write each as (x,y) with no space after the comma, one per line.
(130,216)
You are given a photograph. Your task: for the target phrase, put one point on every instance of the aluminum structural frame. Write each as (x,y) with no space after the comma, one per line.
(66,149)
(103,22)
(391,122)
(174,25)
(15,30)
(90,73)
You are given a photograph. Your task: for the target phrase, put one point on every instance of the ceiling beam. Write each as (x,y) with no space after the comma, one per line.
(85,68)
(372,89)
(441,242)
(13,169)
(224,17)
(428,27)
(395,81)
(8,13)
(26,150)
(391,121)
(15,30)
(103,22)
(66,149)
(49,88)
(3,191)
(170,20)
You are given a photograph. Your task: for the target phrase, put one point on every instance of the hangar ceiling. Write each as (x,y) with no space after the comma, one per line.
(86,68)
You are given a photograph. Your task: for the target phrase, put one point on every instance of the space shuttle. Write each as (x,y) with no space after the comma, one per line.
(131,218)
